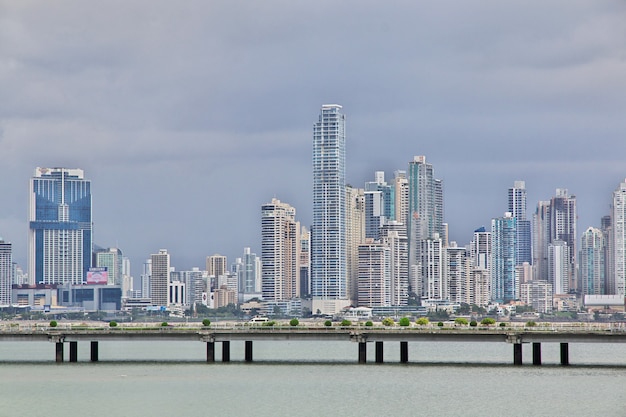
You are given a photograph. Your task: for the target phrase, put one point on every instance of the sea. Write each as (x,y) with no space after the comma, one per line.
(311,378)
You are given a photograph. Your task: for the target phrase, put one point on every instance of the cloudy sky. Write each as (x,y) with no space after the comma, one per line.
(187,116)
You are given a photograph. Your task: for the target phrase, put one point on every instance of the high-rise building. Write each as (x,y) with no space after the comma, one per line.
(559,266)
(394,236)
(60,229)
(249,272)
(280,251)
(388,198)
(401,195)
(606,226)
(374,284)
(555,220)
(504,286)
(6,272)
(374,214)
(619,239)
(458,273)
(431,268)
(355,235)
(305,263)
(329,274)
(160,278)
(216,265)
(591,260)
(425,217)
(563,227)
(517,207)
(111,259)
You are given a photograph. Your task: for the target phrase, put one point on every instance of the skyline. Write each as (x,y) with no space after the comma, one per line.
(173,110)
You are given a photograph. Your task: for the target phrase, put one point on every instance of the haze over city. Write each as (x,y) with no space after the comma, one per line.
(187,117)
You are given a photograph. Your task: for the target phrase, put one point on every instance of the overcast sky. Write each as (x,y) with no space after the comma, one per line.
(187,116)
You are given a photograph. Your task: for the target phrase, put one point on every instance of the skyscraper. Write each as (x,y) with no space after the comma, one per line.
(160,278)
(517,207)
(504,286)
(6,272)
(555,220)
(328,234)
(280,252)
(619,239)
(60,229)
(425,217)
(592,258)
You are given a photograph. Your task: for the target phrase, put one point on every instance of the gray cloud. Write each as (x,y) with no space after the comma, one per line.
(188,116)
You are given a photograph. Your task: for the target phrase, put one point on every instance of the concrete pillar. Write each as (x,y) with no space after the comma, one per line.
(73,351)
(404,352)
(210,352)
(536,353)
(94,351)
(517,354)
(379,352)
(248,351)
(59,352)
(362,352)
(226,351)
(564,354)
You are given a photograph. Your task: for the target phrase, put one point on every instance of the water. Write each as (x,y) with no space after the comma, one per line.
(311,379)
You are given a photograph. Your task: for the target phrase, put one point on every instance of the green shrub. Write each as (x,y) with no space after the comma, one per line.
(269,323)
(473,323)
(503,324)
(530,324)
(294,322)
(488,321)
(164,324)
(346,323)
(440,324)
(206,322)
(369,323)
(404,321)
(388,321)
(53,323)
(422,321)
(328,323)
(461,320)
(112,323)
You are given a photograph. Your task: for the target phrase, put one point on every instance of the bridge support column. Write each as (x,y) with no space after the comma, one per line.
(362,352)
(517,354)
(226,351)
(210,352)
(73,351)
(94,351)
(59,351)
(379,352)
(248,351)
(404,352)
(564,354)
(536,353)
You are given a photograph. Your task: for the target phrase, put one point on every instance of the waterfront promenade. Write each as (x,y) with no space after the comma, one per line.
(516,334)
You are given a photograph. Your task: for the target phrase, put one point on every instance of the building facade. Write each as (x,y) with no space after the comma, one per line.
(329,274)
(6,272)
(619,240)
(160,278)
(280,251)
(504,286)
(60,228)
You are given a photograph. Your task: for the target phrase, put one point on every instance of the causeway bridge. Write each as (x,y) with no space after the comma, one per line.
(516,336)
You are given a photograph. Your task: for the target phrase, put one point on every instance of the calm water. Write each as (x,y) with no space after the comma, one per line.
(311,379)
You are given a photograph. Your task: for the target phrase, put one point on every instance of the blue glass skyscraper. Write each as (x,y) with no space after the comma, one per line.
(517,207)
(60,228)
(504,285)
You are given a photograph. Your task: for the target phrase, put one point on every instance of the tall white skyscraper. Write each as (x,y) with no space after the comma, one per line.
(328,235)
(280,251)
(619,239)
